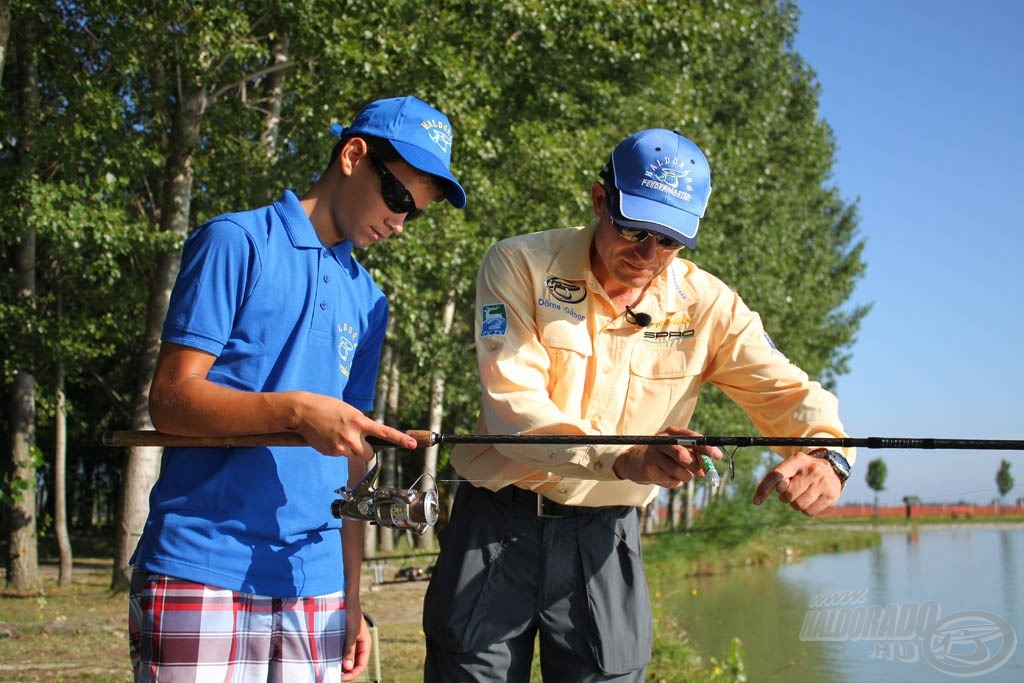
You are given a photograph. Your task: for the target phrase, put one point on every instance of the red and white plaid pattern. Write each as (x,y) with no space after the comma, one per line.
(184,631)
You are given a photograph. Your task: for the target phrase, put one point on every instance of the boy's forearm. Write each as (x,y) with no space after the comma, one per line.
(352,532)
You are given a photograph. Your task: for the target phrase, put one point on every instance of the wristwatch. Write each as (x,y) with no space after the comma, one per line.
(839,464)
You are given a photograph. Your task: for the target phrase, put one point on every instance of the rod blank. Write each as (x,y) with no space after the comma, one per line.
(426,438)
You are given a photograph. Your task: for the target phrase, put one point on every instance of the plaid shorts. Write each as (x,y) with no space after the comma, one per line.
(184,631)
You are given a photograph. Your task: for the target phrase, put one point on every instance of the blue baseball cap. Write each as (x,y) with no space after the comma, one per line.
(420,134)
(663,182)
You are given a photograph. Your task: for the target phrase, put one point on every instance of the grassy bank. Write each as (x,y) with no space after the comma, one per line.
(78,634)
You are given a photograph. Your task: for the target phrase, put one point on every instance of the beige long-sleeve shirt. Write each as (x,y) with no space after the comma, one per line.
(555,357)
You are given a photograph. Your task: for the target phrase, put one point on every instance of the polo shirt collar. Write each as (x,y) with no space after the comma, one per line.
(301,231)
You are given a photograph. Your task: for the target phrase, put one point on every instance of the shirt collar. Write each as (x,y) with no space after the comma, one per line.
(301,231)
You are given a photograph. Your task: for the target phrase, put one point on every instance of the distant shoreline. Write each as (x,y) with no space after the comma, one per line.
(922,525)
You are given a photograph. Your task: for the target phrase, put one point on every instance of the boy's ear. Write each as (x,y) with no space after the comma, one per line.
(351,153)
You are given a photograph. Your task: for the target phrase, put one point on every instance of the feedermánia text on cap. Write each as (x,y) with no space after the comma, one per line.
(668,189)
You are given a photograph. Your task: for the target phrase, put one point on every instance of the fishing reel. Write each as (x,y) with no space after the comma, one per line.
(388,506)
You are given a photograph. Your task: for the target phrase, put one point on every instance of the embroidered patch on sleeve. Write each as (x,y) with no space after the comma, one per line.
(495,320)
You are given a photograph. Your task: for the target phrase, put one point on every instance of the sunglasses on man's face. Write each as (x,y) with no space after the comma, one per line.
(396,197)
(635,235)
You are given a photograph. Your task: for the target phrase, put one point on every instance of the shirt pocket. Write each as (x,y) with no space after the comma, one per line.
(561,337)
(656,359)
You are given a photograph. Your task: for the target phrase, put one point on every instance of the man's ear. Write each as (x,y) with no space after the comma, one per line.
(598,198)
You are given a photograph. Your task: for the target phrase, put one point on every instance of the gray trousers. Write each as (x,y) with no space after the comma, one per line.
(506,574)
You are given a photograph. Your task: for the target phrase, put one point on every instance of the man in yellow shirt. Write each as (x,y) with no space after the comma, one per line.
(601,330)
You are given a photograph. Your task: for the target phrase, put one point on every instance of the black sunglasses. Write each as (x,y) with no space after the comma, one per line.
(635,235)
(396,196)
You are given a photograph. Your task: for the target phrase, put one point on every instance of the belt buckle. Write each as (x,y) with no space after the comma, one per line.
(540,508)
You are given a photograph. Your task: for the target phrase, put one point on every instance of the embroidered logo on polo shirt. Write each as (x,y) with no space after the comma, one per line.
(563,290)
(347,342)
(494,320)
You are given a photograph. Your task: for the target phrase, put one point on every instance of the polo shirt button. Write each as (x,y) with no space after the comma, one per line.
(327,278)
(323,305)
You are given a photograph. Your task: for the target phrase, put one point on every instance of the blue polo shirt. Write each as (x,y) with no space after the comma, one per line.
(280,311)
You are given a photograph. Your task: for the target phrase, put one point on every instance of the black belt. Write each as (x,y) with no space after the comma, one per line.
(536,504)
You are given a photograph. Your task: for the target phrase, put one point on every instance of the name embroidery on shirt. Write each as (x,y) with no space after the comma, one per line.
(571,312)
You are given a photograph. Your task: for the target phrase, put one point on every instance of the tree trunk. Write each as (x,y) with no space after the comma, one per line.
(435,415)
(143,463)
(389,457)
(374,533)
(22,553)
(5,32)
(60,466)
(273,94)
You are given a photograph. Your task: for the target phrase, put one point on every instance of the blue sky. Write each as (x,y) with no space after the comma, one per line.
(925,99)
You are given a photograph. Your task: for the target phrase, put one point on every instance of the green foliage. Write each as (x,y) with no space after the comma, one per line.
(733,519)
(731,668)
(1004,480)
(877,471)
(13,488)
(538,92)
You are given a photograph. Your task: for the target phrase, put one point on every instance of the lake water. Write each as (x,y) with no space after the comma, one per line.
(927,605)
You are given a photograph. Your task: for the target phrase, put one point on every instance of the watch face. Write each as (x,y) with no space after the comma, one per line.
(839,463)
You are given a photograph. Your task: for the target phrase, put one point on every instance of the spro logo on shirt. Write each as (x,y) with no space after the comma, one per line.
(666,335)
(347,342)
(494,321)
(663,337)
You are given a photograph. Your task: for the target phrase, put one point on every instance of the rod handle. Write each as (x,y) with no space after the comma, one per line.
(424,437)
(149,437)
(153,438)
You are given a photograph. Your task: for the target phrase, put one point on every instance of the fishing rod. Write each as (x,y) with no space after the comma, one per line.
(418,510)
(425,438)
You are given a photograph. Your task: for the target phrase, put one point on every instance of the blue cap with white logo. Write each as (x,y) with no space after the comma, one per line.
(420,134)
(663,182)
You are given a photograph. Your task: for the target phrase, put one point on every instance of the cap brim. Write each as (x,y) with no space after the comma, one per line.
(644,214)
(430,164)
